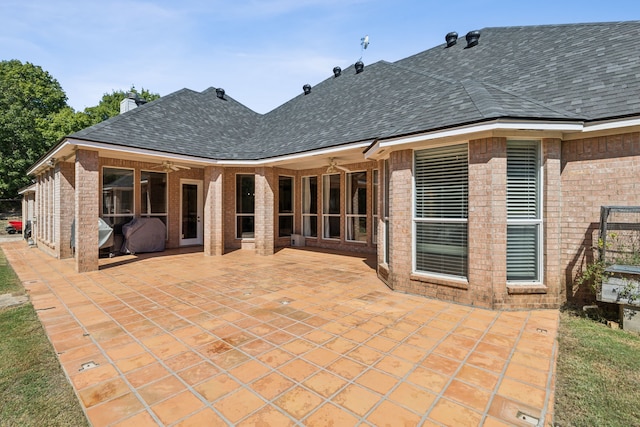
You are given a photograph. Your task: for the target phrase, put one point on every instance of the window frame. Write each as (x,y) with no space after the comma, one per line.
(309,214)
(110,218)
(358,216)
(440,219)
(326,216)
(538,221)
(375,194)
(239,215)
(164,215)
(293,207)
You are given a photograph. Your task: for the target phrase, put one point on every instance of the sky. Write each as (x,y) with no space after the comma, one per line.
(260,51)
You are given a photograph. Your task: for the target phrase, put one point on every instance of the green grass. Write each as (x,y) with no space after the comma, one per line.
(33,388)
(598,374)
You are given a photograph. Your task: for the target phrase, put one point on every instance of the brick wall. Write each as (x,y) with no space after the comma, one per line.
(595,172)
(213,211)
(86,210)
(64,208)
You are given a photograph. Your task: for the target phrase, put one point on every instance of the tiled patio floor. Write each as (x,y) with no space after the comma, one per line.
(298,338)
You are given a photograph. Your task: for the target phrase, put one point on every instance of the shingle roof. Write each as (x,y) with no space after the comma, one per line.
(552,72)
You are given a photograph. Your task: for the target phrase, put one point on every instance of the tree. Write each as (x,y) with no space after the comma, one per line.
(28,95)
(109,105)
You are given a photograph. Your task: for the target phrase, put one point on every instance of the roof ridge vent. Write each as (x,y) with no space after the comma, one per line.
(307,89)
(337,71)
(451,38)
(472,38)
(220,93)
(359,67)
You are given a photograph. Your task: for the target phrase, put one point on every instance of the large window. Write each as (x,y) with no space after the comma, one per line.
(117,196)
(285,206)
(331,206)
(310,206)
(245,206)
(441,208)
(153,195)
(356,206)
(524,218)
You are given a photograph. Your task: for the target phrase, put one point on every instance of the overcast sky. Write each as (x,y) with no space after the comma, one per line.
(260,51)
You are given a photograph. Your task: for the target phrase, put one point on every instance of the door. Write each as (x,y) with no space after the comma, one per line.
(191,212)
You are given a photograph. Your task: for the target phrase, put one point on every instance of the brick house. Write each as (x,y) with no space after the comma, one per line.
(475,170)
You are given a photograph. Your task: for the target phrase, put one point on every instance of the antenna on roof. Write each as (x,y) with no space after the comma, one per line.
(364,43)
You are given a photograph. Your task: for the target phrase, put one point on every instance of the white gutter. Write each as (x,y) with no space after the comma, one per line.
(611,124)
(500,124)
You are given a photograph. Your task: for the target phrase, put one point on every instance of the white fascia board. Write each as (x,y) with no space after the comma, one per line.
(139,151)
(297,156)
(465,131)
(51,155)
(611,124)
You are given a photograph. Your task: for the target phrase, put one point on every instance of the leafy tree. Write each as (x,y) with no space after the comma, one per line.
(62,123)
(28,95)
(109,105)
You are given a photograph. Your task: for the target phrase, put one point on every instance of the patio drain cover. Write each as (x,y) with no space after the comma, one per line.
(527,418)
(88,365)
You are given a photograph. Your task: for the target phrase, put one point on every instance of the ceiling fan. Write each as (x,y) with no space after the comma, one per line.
(168,166)
(334,167)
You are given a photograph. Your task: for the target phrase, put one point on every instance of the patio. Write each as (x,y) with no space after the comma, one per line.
(298,338)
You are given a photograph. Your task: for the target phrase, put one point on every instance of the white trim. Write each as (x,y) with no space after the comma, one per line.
(611,124)
(199,239)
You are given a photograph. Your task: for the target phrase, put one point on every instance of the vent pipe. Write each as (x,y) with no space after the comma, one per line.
(359,67)
(307,89)
(220,93)
(472,38)
(337,71)
(451,38)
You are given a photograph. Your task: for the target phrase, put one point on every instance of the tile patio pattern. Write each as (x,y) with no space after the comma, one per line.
(297,338)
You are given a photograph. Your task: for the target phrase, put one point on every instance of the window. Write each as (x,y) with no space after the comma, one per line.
(245,206)
(331,206)
(356,206)
(285,206)
(117,196)
(153,195)
(374,237)
(385,208)
(310,206)
(524,217)
(441,208)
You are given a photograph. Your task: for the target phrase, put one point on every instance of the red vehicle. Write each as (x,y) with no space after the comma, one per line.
(14,227)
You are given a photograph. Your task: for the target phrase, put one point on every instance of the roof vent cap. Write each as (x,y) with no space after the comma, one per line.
(337,71)
(307,89)
(451,38)
(359,67)
(472,38)
(220,93)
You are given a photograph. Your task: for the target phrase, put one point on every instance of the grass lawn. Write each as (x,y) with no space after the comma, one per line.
(33,388)
(598,374)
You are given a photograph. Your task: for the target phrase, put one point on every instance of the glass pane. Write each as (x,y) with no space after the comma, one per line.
(331,227)
(245,193)
(523,173)
(310,226)
(153,193)
(285,194)
(331,194)
(189,211)
(357,228)
(441,248)
(285,225)
(522,252)
(442,182)
(245,228)
(117,191)
(386,241)
(310,195)
(375,191)
(357,193)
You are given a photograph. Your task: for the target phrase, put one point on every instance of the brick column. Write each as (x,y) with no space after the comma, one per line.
(400,221)
(86,210)
(264,211)
(64,208)
(213,211)
(552,229)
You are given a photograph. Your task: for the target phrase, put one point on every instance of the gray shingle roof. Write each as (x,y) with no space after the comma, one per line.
(552,72)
